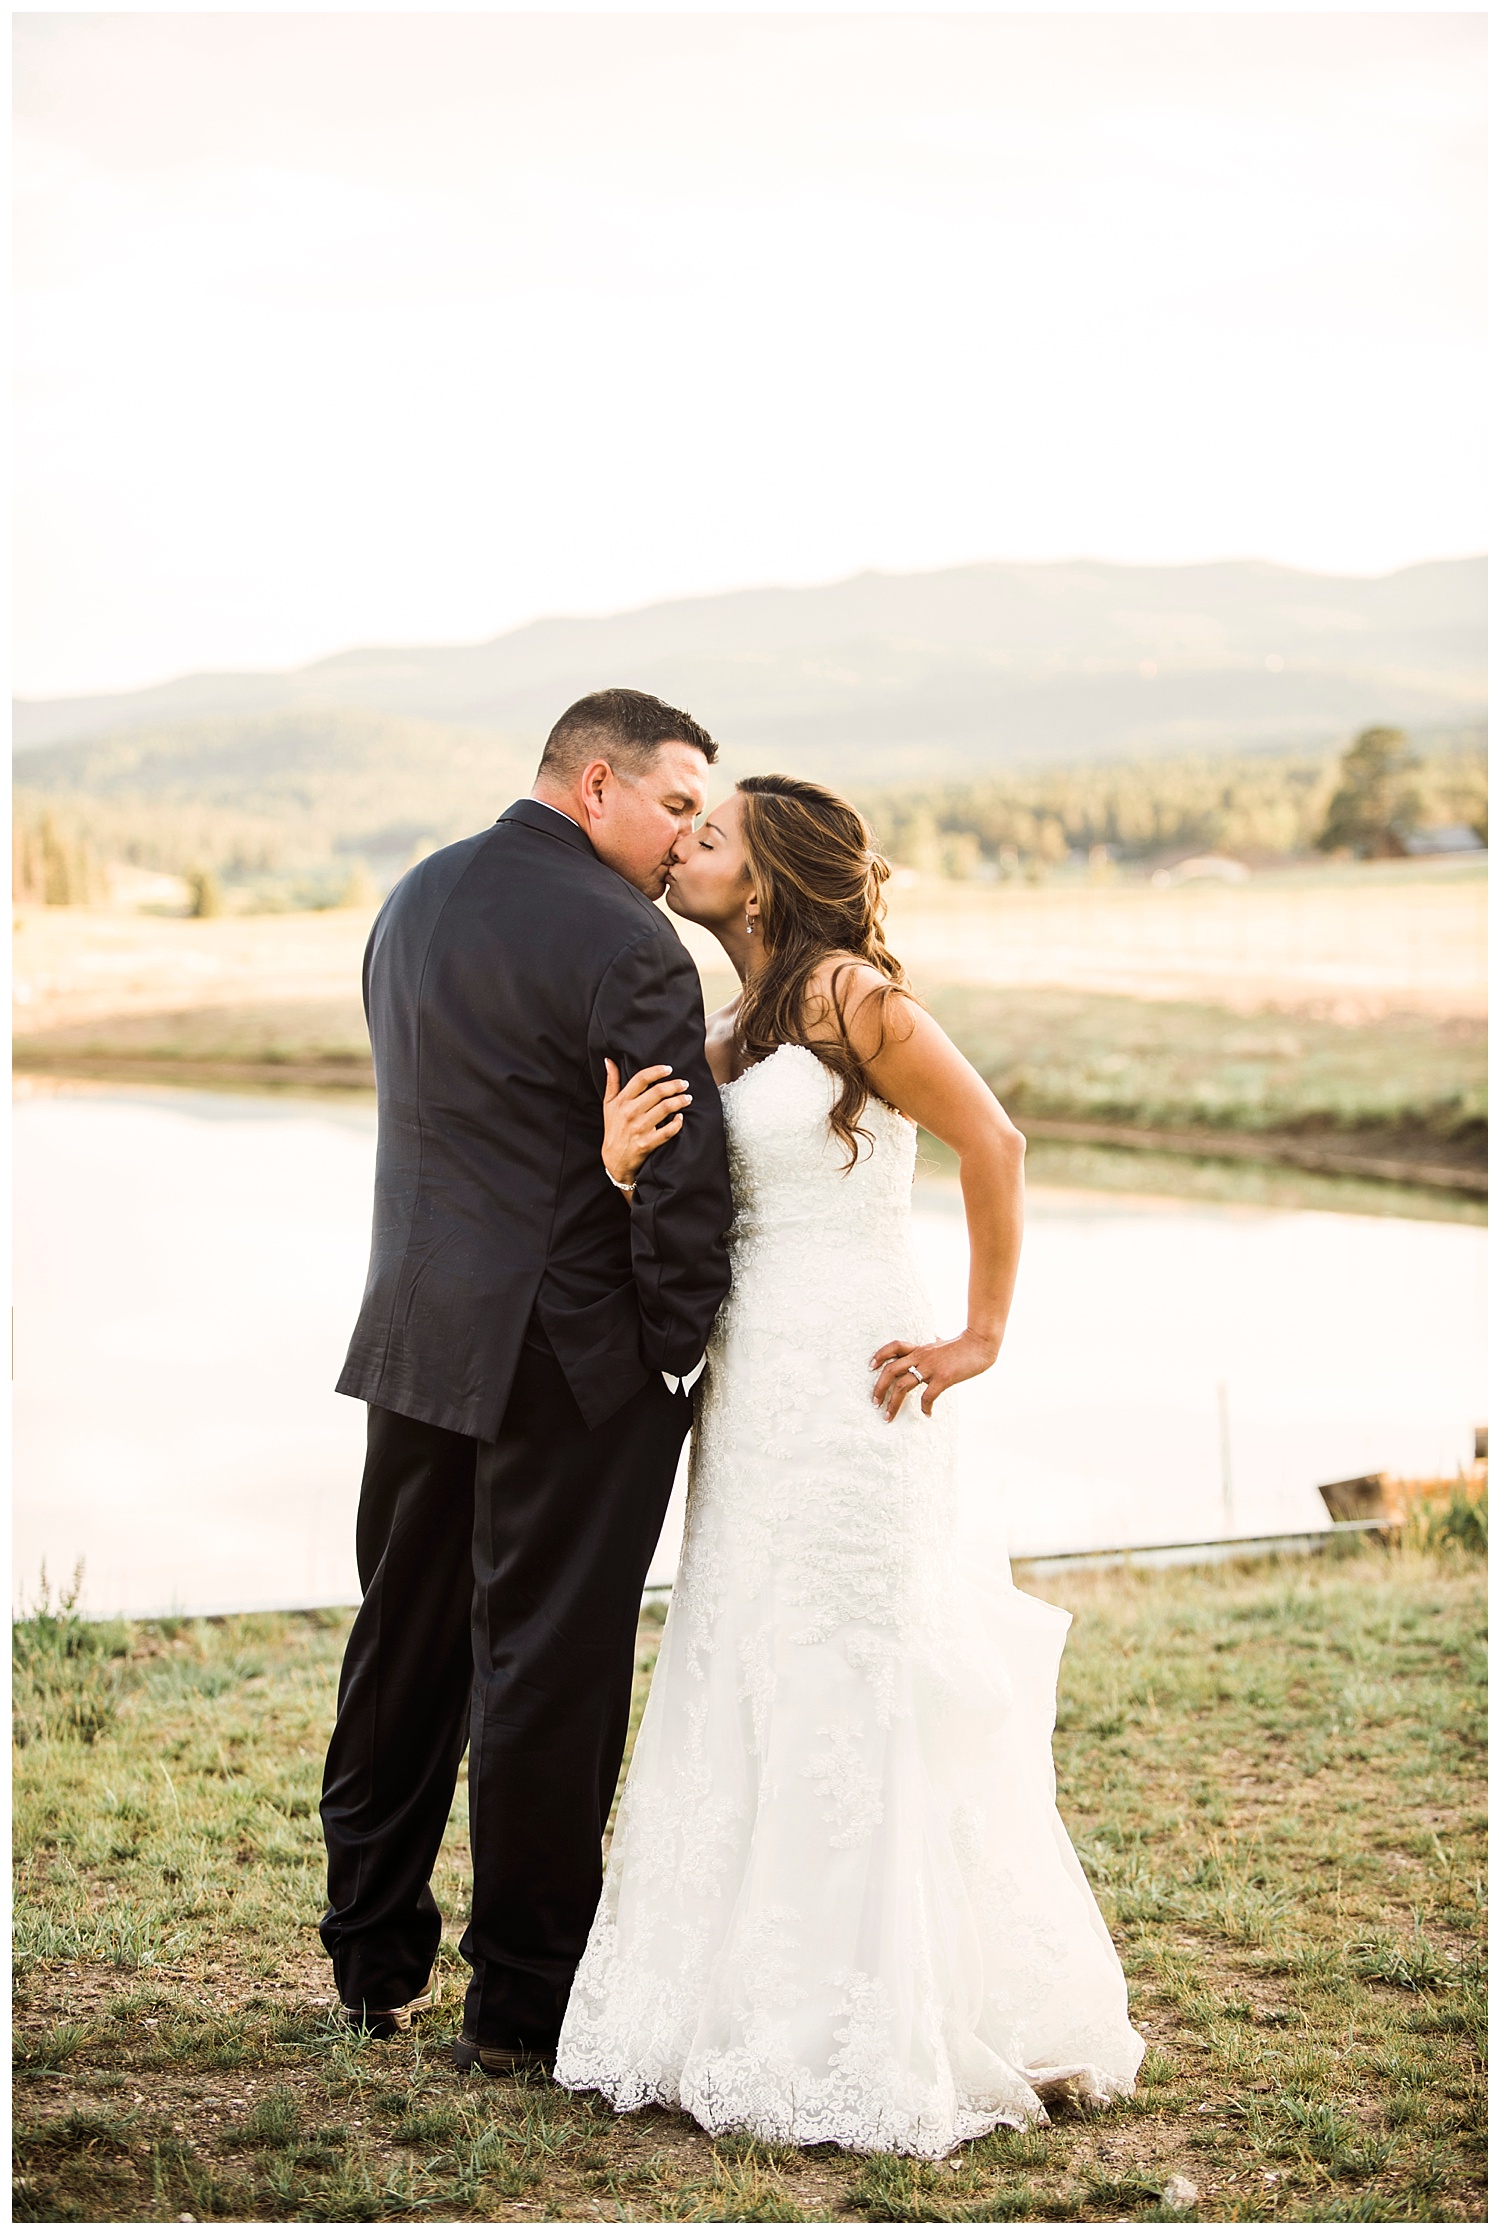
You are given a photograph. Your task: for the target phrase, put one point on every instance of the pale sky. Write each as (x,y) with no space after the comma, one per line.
(350,329)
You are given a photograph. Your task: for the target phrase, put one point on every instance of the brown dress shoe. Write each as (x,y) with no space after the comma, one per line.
(499,2063)
(384,2025)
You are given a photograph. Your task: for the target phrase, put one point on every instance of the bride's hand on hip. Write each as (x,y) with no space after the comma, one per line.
(639,1116)
(903,1368)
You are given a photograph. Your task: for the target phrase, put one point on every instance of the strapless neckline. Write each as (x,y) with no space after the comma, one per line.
(795,1047)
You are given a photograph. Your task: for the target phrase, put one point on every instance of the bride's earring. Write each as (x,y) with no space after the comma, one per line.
(749,927)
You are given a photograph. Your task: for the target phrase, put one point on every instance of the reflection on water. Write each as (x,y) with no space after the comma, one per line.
(189,1265)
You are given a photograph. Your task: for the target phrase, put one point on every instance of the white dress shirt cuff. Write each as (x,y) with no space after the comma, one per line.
(684,1382)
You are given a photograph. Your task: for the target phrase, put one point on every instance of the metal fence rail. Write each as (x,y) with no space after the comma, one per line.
(1194,1552)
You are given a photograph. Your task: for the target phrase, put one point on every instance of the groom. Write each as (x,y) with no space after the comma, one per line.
(521,1344)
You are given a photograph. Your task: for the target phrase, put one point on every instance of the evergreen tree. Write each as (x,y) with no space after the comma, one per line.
(57,867)
(1376,801)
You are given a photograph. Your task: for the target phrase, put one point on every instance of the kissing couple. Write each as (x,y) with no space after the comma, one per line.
(840,1904)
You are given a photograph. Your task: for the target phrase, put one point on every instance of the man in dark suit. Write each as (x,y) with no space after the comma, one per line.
(525,1329)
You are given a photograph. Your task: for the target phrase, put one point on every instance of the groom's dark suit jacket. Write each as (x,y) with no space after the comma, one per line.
(500,973)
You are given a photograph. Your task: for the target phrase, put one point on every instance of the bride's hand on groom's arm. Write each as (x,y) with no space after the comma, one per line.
(896,1367)
(639,1117)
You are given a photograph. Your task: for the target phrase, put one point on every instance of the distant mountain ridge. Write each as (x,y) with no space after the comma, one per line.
(891,678)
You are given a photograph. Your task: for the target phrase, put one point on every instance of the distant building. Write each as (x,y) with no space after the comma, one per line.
(1446,838)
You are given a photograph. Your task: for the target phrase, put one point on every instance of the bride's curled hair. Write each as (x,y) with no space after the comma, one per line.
(819,880)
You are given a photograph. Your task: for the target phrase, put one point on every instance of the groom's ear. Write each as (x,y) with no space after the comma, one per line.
(591,785)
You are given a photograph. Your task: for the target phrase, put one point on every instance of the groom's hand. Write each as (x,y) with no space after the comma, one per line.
(901,1368)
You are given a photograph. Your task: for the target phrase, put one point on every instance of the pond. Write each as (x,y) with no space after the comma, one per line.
(188,1268)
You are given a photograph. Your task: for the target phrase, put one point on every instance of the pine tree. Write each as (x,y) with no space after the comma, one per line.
(1376,802)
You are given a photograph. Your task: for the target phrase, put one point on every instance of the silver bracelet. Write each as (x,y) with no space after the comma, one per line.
(626,1187)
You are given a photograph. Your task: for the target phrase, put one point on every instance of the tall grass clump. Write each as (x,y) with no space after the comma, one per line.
(67,1674)
(1446,1516)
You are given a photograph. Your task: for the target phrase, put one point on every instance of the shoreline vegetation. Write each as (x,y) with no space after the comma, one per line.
(1273,1770)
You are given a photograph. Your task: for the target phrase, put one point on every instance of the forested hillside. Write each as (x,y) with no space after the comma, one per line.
(272,793)
(980,714)
(1255,805)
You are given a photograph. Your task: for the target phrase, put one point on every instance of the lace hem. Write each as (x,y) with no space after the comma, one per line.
(793,2109)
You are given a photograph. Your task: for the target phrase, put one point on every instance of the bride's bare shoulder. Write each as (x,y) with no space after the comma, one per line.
(844,989)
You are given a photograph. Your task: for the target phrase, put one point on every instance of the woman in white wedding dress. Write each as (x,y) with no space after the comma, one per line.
(840,1905)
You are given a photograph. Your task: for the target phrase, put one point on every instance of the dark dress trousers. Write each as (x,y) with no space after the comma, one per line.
(517,1321)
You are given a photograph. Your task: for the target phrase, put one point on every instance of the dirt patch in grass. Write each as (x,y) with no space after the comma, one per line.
(1274,1774)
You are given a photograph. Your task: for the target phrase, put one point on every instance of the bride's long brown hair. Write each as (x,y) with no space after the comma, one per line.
(819,880)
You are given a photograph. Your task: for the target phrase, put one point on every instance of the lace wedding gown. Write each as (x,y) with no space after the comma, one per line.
(840,1905)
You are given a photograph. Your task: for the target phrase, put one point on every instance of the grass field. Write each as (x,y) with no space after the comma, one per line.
(1274,1774)
(1344,940)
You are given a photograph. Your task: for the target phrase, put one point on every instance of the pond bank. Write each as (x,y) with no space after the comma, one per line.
(1370,1153)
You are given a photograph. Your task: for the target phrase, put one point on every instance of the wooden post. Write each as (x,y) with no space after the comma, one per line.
(1226,1478)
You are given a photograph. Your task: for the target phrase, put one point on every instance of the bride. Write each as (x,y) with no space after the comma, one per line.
(840,1905)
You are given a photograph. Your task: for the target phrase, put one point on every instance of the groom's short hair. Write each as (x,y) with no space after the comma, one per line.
(624,728)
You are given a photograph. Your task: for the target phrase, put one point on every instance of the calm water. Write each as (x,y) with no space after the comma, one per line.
(189,1265)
